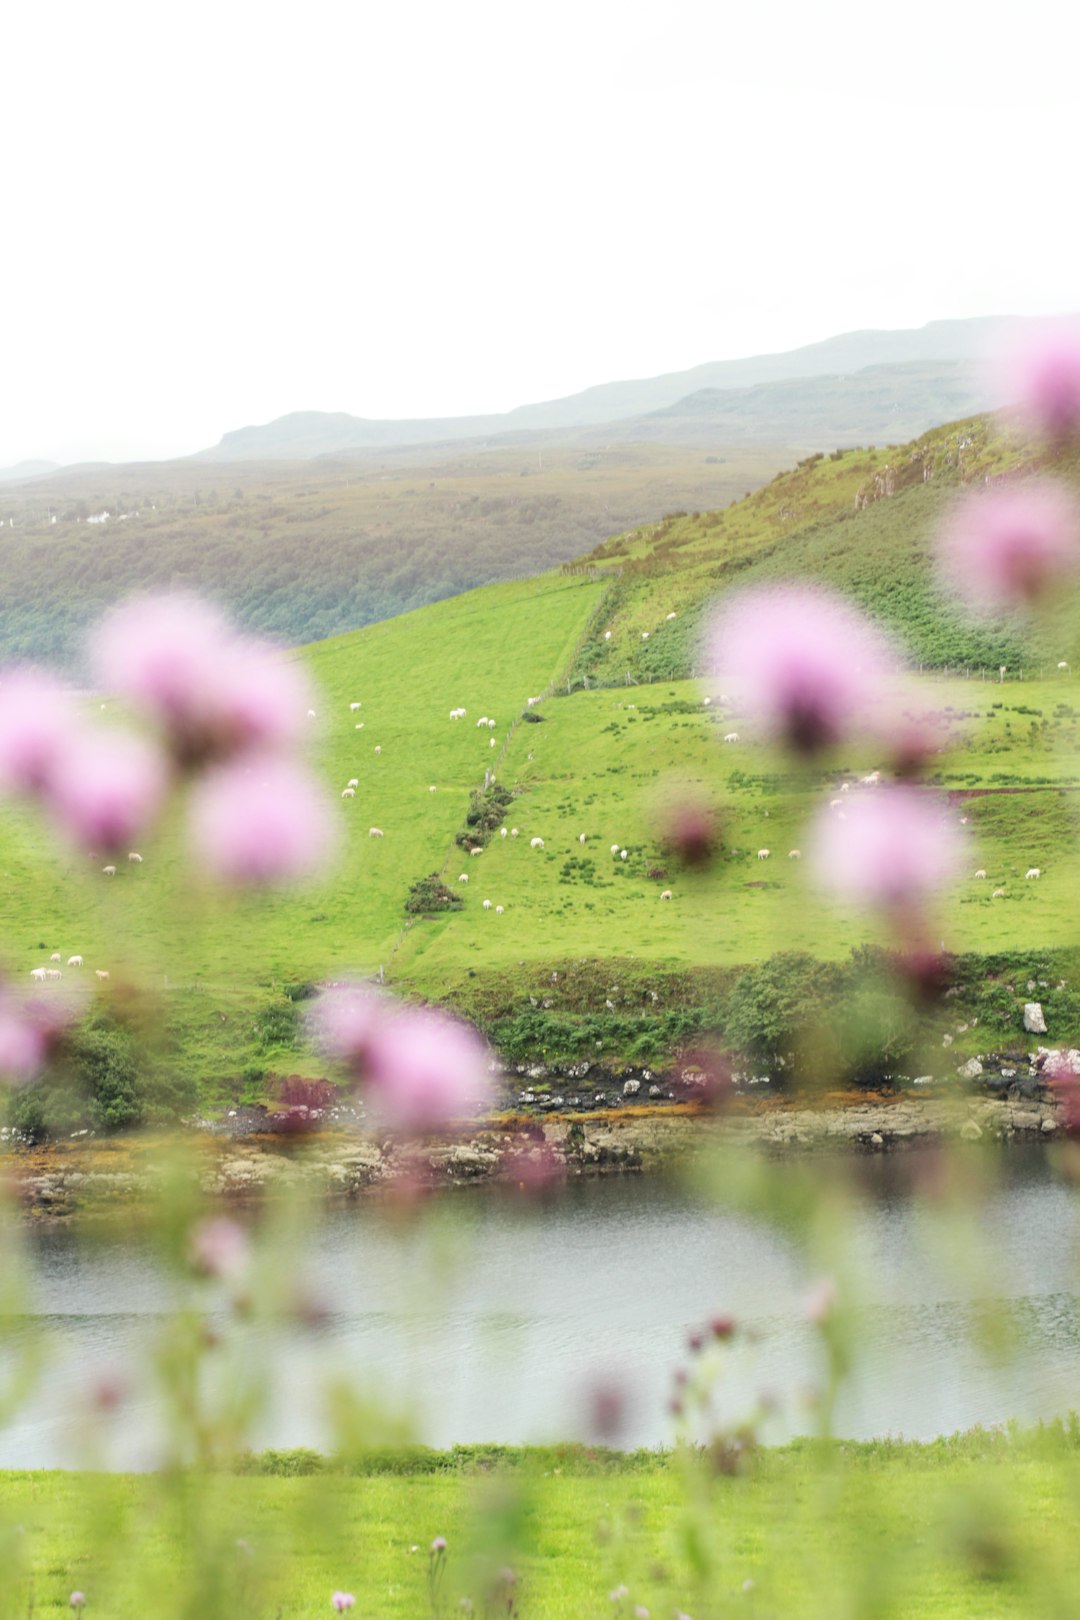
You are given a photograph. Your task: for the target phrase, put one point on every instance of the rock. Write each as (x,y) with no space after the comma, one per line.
(923,1080)
(631,1088)
(877,1139)
(655,1091)
(970,1070)
(970,1131)
(946,1040)
(1034,1022)
(1049,1127)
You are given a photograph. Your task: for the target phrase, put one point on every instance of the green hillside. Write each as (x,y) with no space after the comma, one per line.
(584,934)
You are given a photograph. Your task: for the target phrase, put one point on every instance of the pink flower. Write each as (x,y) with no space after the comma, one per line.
(163,653)
(107,788)
(1042,375)
(426,1069)
(261,819)
(807,663)
(219,1247)
(439,1544)
(893,849)
(342,1601)
(37,722)
(77,1600)
(344,1020)
(261,698)
(23,1042)
(1009,547)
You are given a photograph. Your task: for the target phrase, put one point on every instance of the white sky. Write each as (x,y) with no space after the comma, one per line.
(214,213)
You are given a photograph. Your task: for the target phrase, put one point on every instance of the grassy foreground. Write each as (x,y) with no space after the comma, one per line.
(980,1524)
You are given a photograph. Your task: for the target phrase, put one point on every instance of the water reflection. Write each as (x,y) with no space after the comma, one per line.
(496,1329)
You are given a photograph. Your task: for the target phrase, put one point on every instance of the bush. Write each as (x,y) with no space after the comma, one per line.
(772,1006)
(431,894)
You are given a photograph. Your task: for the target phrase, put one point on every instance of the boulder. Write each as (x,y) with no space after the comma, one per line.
(631,1088)
(970,1070)
(1034,1022)
(970,1131)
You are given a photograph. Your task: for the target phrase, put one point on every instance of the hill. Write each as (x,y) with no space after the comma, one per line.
(587,960)
(310,433)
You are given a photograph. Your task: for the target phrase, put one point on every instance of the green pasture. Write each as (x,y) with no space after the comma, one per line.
(977,1526)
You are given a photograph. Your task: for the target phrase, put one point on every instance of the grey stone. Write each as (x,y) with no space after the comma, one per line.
(1034,1022)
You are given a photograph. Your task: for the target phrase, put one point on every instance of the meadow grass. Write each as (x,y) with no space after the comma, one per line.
(980,1525)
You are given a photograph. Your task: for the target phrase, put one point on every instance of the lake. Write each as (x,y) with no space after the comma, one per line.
(494,1326)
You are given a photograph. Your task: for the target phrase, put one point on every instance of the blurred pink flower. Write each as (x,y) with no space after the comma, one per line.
(342,1601)
(439,1544)
(163,653)
(37,723)
(219,1247)
(344,1019)
(1042,375)
(77,1600)
(820,1301)
(892,849)
(426,1069)
(806,662)
(23,1042)
(107,788)
(261,819)
(260,700)
(1005,548)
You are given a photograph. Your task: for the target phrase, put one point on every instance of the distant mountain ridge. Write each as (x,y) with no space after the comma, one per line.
(301,435)
(28,469)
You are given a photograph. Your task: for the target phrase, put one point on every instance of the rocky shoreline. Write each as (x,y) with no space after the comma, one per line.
(341,1161)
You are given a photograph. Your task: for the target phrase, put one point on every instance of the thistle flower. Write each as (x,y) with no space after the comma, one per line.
(1008,548)
(163,652)
(1042,374)
(77,1600)
(808,665)
(260,820)
(108,788)
(28,1029)
(37,726)
(426,1069)
(344,1019)
(342,1601)
(219,1247)
(893,850)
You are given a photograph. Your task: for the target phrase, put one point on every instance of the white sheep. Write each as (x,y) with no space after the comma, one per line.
(311,714)
(487,905)
(499,910)
(74,961)
(433,788)
(359,726)
(671,615)
(614,849)
(763,854)
(794,854)
(479,850)
(482,721)
(732,736)
(513,832)
(998,894)
(1063,664)
(109,871)
(354,781)
(463,877)
(581,838)
(1033,872)
(353,707)
(491,725)
(622,854)
(135,858)
(644,635)
(101,973)
(56,957)
(378,748)
(375,832)
(872,780)
(981,873)
(502,832)
(666,895)
(38,973)
(536,843)
(53,973)
(493,741)
(348,793)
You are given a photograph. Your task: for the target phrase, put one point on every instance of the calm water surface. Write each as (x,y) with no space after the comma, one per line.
(492,1326)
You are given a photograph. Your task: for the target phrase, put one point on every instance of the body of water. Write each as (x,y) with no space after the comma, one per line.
(488,1325)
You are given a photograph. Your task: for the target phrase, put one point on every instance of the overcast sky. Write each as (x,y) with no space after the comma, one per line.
(214,213)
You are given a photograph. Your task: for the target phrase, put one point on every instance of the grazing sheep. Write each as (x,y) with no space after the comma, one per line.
(375,832)
(732,736)
(354,781)
(671,615)
(536,843)
(763,854)
(53,973)
(135,858)
(644,635)
(311,714)
(981,873)
(614,849)
(493,741)
(353,707)
(487,905)
(491,725)
(463,878)
(794,854)
(502,832)
(1033,872)
(109,871)
(479,850)
(56,957)
(622,854)
(581,838)
(499,910)
(359,726)
(872,780)
(482,721)
(998,894)
(378,749)
(348,793)
(1063,664)
(74,961)
(706,701)
(607,635)
(666,895)
(513,832)
(834,804)
(433,788)
(37,973)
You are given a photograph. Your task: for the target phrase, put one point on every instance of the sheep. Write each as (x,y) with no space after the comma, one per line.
(134,857)
(981,873)
(53,973)
(581,838)
(763,854)
(536,843)
(502,832)
(74,961)
(872,780)
(37,973)
(1063,664)
(375,832)
(644,635)
(311,714)
(491,725)
(463,878)
(1033,872)
(706,701)
(834,804)
(614,849)
(378,748)
(433,788)
(499,910)
(359,726)
(671,616)
(607,635)
(493,741)
(794,854)
(101,973)
(455,714)
(348,793)
(998,894)
(845,787)
(513,832)
(622,854)
(354,781)
(482,721)
(732,736)
(353,707)
(479,850)
(487,905)
(666,895)
(109,871)
(56,957)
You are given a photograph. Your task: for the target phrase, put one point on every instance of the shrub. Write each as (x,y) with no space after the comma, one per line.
(431,894)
